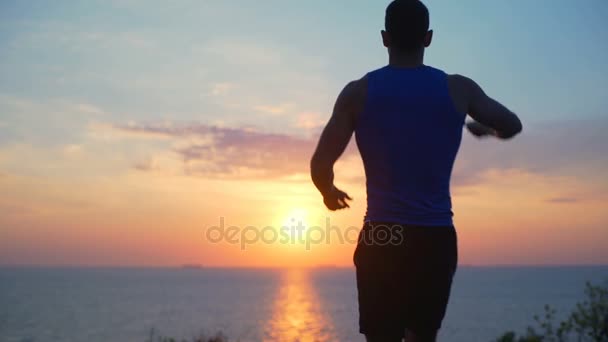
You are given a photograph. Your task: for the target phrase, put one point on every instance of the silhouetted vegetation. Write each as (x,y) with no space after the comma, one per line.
(155,337)
(587,322)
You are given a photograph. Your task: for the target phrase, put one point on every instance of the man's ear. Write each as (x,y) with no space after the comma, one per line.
(428,38)
(386,38)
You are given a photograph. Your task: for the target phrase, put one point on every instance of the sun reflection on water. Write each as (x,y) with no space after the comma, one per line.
(298,312)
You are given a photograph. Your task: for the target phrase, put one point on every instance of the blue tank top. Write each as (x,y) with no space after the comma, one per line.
(408,135)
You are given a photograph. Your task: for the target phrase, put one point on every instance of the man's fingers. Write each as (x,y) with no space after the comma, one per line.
(337,205)
(338,202)
(345,195)
(343,203)
(333,206)
(474,131)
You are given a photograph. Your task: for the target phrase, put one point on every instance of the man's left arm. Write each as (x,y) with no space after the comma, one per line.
(333,142)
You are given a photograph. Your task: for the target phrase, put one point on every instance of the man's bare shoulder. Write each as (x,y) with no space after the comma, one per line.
(462,91)
(352,98)
(357,88)
(461,82)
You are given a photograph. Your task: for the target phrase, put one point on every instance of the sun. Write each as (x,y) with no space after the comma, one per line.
(295,217)
(293,225)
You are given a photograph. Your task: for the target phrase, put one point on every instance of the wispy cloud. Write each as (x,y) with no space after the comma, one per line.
(562,200)
(87,108)
(310,120)
(570,150)
(221,88)
(146,165)
(231,152)
(565,148)
(245,52)
(278,109)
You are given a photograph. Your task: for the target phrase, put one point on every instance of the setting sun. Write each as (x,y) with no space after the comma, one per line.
(296,217)
(304,171)
(293,226)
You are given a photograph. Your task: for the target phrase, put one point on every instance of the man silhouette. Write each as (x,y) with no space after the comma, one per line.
(407,118)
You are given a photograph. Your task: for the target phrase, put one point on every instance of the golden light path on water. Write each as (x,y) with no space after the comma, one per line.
(298,314)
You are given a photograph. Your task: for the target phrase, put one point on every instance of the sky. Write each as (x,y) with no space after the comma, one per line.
(130,130)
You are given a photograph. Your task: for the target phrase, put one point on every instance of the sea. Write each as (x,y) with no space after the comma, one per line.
(282,305)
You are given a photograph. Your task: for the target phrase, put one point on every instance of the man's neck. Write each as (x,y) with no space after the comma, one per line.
(406,59)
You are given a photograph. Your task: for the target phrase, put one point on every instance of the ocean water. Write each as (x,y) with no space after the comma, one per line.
(105,304)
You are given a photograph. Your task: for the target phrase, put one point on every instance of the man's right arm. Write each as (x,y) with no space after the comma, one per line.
(487,111)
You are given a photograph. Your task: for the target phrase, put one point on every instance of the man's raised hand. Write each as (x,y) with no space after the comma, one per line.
(480,130)
(336,199)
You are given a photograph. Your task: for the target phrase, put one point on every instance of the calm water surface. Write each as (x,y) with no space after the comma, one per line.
(88,304)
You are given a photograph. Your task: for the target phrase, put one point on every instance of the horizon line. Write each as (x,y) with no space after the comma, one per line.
(238,267)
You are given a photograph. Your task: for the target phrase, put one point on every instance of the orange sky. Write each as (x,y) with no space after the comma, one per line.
(128,129)
(85,206)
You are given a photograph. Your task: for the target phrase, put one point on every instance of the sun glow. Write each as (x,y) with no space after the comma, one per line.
(294,224)
(296,217)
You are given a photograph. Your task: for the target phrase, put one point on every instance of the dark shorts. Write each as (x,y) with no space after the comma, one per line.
(404,276)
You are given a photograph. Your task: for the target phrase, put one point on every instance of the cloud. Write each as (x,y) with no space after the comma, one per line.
(87,108)
(310,120)
(146,165)
(562,200)
(213,151)
(72,150)
(108,132)
(281,93)
(567,149)
(273,109)
(245,52)
(49,122)
(69,36)
(221,88)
